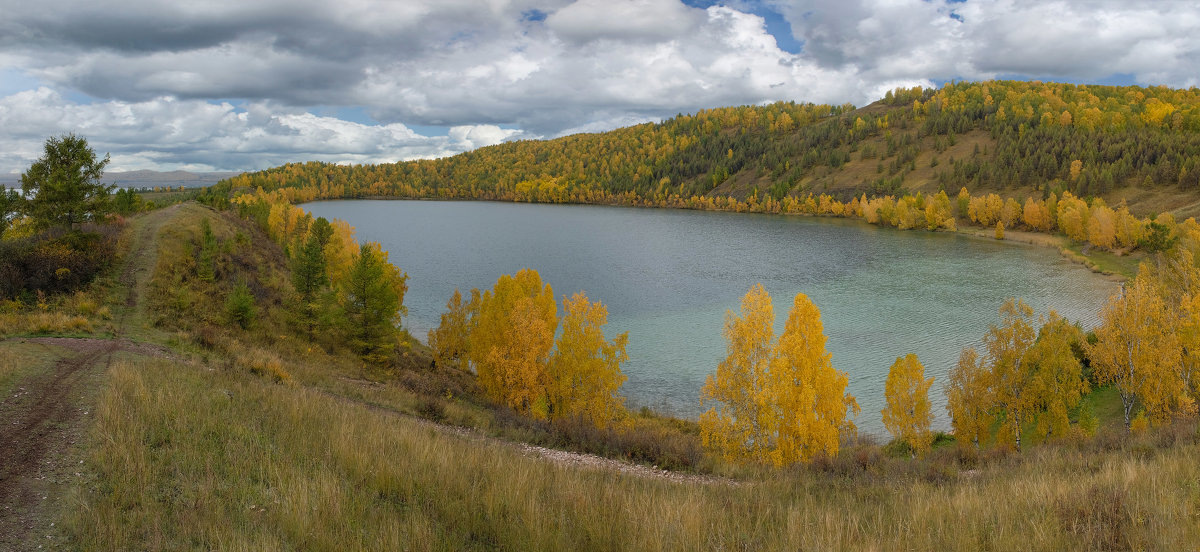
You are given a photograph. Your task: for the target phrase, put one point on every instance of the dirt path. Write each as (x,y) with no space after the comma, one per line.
(42,421)
(47,413)
(139,266)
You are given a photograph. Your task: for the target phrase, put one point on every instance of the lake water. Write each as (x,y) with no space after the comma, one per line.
(668,277)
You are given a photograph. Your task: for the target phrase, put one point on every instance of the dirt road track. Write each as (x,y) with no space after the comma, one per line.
(47,413)
(40,422)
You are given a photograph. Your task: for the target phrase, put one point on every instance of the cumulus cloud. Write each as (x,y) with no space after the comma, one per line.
(549,84)
(168,133)
(638,20)
(1156,42)
(206,75)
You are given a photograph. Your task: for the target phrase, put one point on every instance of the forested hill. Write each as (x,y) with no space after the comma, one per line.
(1014,138)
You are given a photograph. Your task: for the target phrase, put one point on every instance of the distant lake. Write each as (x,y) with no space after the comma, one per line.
(669,276)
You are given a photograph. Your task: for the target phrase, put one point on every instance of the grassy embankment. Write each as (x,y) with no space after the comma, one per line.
(257,440)
(187,457)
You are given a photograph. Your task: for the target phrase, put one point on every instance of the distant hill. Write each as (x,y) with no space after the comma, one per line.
(172,178)
(147,179)
(1138,144)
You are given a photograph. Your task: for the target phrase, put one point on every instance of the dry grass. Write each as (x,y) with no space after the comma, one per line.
(43,323)
(77,313)
(260,362)
(8,367)
(187,457)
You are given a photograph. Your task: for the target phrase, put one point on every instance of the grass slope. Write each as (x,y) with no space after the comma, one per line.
(193,458)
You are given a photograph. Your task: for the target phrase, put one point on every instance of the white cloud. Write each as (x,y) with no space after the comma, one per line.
(477,136)
(624,20)
(165,133)
(1157,42)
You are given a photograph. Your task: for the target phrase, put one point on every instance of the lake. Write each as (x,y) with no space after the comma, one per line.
(669,276)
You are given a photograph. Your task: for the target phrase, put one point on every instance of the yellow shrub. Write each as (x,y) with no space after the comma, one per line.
(264,363)
(1140,424)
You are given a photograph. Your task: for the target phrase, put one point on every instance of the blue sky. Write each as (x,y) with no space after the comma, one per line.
(208,85)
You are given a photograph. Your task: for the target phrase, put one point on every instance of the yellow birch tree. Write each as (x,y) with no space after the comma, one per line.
(1137,350)
(781,402)
(510,341)
(735,427)
(907,416)
(339,251)
(1007,346)
(808,402)
(969,400)
(1189,366)
(585,369)
(1058,382)
(449,339)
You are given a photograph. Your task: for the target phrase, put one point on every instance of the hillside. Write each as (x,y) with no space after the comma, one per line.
(1017,139)
(162,425)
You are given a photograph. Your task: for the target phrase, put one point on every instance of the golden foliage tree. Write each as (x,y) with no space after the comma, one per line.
(1129,229)
(1010,215)
(907,416)
(938,212)
(1073,217)
(339,251)
(585,369)
(736,428)
(1034,215)
(1189,340)
(1007,348)
(1102,225)
(781,402)
(1137,350)
(510,341)
(449,339)
(969,399)
(1058,382)
(808,397)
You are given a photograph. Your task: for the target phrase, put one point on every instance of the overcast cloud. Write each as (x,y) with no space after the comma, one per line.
(243,84)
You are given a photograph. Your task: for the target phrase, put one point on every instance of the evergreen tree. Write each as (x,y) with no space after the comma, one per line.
(373,301)
(63,186)
(308,268)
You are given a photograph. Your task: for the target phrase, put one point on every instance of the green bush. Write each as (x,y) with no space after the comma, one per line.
(240,306)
